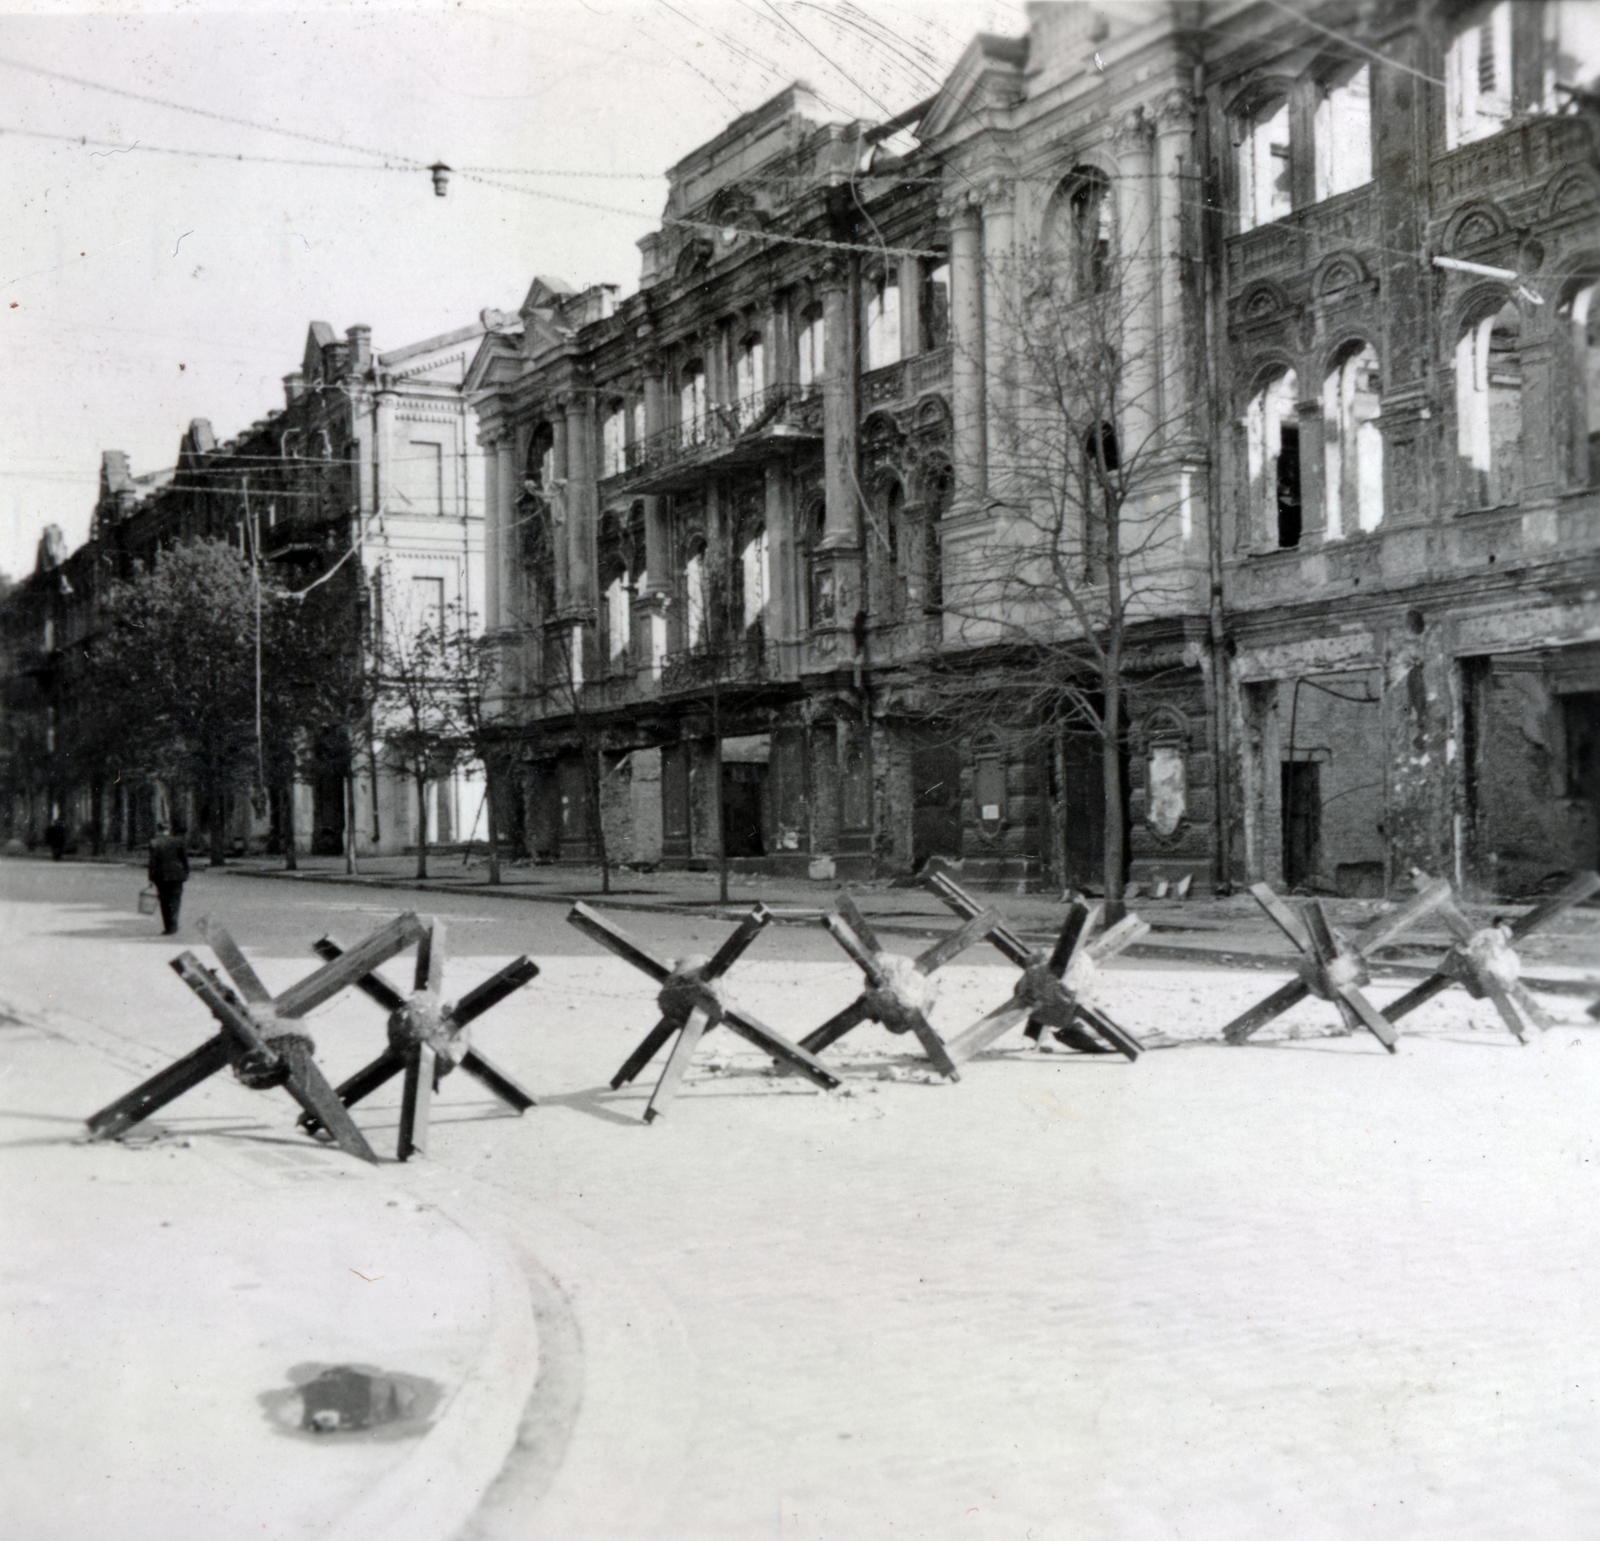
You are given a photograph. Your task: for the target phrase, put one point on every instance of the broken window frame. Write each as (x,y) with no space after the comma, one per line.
(1352,442)
(1488,403)
(1477,77)
(1341,134)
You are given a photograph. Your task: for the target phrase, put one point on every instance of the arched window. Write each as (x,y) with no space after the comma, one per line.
(540,467)
(1341,134)
(1580,318)
(882,319)
(1477,76)
(692,402)
(810,341)
(1489,408)
(748,376)
(1080,230)
(538,555)
(1262,138)
(1272,436)
(890,511)
(1352,443)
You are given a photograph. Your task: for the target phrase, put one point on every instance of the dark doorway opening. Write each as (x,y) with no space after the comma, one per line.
(1081,801)
(1582,713)
(742,785)
(935,797)
(1301,788)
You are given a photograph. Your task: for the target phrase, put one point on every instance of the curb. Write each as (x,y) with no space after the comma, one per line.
(1206,957)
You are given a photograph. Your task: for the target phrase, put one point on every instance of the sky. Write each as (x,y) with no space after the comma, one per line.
(140,289)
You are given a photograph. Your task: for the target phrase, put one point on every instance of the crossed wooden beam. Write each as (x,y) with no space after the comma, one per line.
(1485,963)
(1333,967)
(259,1036)
(691,1002)
(898,994)
(1047,995)
(428,1039)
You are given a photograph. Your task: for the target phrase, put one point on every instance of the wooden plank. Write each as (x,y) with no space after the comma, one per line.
(1264,1011)
(645,1052)
(957,942)
(959,900)
(836,1026)
(933,1046)
(1281,915)
(416,1103)
(731,950)
(599,929)
(1368,1016)
(1081,921)
(501,1084)
(221,942)
(374,986)
(362,1084)
(492,991)
(677,1064)
(847,939)
(1117,1036)
(846,906)
(365,956)
(779,1047)
(1119,938)
(309,1087)
(163,1087)
(986,1030)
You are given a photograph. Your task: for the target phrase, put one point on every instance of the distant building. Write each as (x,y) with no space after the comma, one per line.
(368,478)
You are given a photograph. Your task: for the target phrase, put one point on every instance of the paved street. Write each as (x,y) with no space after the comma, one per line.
(1301,1288)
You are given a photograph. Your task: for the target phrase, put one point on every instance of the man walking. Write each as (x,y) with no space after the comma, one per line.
(168,869)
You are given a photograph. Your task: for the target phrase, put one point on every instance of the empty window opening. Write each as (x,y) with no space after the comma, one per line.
(747,370)
(1341,130)
(934,315)
(694,597)
(1352,481)
(883,320)
(618,627)
(1477,78)
(692,403)
(1489,408)
(1581,320)
(613,442)
(1272,435)
(810,344)
(1264,192)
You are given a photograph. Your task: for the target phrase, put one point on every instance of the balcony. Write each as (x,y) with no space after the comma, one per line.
(747,660)
(750,431)
(901,384)
(1521,158)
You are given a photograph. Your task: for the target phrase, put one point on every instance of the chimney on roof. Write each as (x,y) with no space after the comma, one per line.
(360,338)
(294,387)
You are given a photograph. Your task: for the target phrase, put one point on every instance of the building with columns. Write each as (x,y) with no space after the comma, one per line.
(756,529)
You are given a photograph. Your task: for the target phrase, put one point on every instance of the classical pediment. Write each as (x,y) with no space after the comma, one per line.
(988,74)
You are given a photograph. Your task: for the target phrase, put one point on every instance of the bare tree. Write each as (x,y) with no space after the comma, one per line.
(1085,518)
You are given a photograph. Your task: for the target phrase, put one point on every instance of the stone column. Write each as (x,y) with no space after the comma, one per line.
(499,485)
(559,498)
(582,502)
(1138,235)
(839,405)
(783,614)
(654,602)
(383,450)
(1180,358)
(910,307)
(966,359)
(999,330)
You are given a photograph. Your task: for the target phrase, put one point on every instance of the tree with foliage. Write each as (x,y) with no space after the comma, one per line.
(1084,536)
(177,652)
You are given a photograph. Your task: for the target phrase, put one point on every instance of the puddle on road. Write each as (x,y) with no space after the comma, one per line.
(333,1402)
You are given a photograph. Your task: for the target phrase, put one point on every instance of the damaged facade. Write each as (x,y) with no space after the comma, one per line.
(740,508)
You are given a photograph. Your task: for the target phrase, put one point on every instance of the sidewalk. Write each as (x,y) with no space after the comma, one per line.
(165,1299)
(1563,956)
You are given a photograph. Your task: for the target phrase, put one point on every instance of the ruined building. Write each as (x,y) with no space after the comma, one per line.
(755,530)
